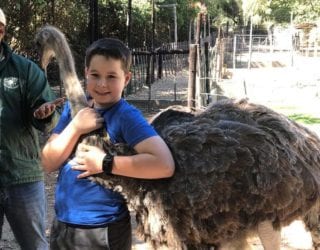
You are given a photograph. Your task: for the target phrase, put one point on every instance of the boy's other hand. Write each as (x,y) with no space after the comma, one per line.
(89,160)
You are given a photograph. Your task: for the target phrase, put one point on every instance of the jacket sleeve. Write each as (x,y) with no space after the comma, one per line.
(38,92)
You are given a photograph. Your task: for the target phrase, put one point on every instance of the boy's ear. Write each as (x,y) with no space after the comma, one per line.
(128,77)
(85,72)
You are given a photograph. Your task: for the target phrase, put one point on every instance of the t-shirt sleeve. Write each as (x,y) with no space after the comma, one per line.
(135,128)
(64,120)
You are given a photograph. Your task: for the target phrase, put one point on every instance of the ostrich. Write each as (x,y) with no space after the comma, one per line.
(241,169)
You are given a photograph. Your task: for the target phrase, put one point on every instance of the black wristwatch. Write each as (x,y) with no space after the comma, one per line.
(107,163)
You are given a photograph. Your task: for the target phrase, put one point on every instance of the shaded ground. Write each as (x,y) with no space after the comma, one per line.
(288,90)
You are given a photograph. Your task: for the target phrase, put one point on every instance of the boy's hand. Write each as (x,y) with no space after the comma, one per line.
(46,109)
(87,120)
(89,160)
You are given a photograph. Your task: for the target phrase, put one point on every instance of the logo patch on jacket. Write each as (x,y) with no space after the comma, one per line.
(11,82)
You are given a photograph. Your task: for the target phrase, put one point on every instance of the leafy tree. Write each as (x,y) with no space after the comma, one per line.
(72,17)
(306,10)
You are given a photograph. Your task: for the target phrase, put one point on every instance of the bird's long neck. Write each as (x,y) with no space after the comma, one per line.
(72,85)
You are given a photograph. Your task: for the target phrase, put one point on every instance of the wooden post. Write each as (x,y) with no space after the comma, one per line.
(190,31)
(234,51)
(159,64)
(148,74)
(198,89)
(192,75)
(218,59)
(152,43)
(250,45)
(198,29)
(207,67)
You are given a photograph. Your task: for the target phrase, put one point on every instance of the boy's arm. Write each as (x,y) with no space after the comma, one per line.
(60,146)
(153,161)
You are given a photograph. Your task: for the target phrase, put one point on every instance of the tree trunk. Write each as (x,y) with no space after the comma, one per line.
(93,21)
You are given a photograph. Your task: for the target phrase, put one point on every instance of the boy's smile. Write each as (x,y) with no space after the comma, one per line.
(106,80)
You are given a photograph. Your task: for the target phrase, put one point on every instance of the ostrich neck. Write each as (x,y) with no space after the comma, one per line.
(66,65)
(72,85)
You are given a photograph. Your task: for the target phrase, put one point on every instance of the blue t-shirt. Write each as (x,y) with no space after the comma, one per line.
(83,202)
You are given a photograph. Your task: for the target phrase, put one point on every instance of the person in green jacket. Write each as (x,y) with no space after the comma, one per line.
(26,104)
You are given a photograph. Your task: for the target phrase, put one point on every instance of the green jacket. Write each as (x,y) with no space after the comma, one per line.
(23,88)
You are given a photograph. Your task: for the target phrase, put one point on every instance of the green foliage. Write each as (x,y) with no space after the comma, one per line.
(224,11)
(112,19)
(303,118)
(281,11)
(141,23)
(306,10)
(72,17)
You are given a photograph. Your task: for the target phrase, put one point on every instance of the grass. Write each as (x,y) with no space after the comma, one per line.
(306,119)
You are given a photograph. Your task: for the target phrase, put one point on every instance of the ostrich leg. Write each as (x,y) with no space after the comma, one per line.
(270,238)
(312,224)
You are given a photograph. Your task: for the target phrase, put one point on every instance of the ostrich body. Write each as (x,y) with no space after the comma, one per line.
(241,169)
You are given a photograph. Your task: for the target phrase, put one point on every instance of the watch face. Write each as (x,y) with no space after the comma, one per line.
(107,164)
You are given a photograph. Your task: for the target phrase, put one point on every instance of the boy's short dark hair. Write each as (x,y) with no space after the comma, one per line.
(110,47)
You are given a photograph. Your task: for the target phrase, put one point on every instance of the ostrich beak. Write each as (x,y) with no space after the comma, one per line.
(45,58)
(44,63)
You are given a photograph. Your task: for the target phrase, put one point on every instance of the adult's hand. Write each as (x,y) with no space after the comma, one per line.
(46,109)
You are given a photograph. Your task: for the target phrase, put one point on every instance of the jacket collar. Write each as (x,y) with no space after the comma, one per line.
(5,54)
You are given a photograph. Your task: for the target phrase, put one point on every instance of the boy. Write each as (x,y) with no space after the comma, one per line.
(89,216)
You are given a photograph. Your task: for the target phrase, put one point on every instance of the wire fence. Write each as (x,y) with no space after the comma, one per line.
(148,66)
(158,73)
(241,53)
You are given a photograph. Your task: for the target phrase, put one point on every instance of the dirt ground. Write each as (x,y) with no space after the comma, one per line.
(288,90)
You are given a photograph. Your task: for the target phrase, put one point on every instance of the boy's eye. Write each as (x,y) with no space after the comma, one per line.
(93,77)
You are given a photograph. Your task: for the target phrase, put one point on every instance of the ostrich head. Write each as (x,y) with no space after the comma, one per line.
(42,41)
(51,43)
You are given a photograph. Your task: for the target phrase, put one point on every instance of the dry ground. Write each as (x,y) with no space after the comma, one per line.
(287,89)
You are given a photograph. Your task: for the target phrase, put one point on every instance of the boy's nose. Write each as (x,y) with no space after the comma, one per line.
(102,82)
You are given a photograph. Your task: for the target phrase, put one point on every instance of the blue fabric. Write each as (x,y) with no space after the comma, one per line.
(25,211)
(82,202)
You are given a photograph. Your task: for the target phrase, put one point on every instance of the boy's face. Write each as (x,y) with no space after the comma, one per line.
(106,80)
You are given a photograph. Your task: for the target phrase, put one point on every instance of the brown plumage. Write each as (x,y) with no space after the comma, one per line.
(238,165)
